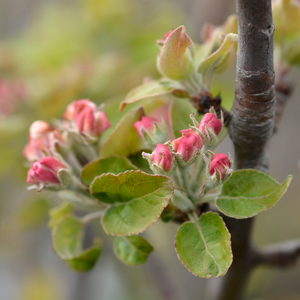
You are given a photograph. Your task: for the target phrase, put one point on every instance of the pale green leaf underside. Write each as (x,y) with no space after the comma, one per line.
(249,192)
(132,250)
(175,60)
(87,259)
(113,164)
(204,248)
(67,236)
(136,198)
(56,213)
(148,90)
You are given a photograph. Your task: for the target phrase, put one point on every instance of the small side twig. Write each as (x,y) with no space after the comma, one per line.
(280,255)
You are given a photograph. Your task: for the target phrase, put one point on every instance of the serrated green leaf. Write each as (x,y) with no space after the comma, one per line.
(67,237)
(58,212)
(113,164)
(175,59)
(136,198)
(204,247)
(148,90)
(249,192)
(87,259)
(124,140)
(132,250)
(220,60)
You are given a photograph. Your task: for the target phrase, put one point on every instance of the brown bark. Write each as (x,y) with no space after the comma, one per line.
(251,124)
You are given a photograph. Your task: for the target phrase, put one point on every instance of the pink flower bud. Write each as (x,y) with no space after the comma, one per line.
(212,122)
(167,34)
(44,171)
(42,140)
(147,124)
(188,145)
(221,162)
(87,119)
(162,156)
(75,108)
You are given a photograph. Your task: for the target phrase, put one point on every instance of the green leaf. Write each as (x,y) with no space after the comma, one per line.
(67,236)
(132,250)
(220,60)
(249,192)
(58,212)
(87,259)
(148,90)
(136,198)
(124,140)
(113,164)
(175,59)
(138,160)
(204,246)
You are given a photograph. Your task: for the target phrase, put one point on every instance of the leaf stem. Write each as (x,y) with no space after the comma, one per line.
(90,217)
(197,174)
(185,174)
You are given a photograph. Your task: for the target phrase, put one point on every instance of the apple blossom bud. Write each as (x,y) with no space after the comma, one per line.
(152,131)
(218,169)
(89,121)
(160,160)
(43,140)
(187,147)
(209,127)
(162,41)
(221,162)
(44,172)
(211,122)
(75,108)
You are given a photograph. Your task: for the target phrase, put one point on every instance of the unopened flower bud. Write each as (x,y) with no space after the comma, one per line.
(160,160)
(45,172)
(152,131)
(209,127)
(187,147)
(218,169)
(89,121)
(43,140)
(210,122)
(220,162)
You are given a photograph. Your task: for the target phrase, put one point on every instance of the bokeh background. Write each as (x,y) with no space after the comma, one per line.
(53,52)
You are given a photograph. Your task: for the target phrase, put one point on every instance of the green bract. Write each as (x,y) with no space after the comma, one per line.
(249,192)
(136,200)
(113,164)
(132,250)
(67,236)
(204,246)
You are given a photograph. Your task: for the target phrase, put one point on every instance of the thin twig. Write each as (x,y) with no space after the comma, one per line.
(280,255)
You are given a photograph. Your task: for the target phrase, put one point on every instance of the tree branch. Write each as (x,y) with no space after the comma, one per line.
(279,255)
(251,124)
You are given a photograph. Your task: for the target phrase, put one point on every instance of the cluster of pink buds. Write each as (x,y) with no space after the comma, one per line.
(185,150)
(86,119)
(51,149)
(209,127)
(152,131)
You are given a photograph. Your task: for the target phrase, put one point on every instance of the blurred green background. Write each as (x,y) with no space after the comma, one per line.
(54,52)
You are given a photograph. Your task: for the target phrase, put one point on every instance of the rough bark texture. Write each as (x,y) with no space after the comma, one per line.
(251,124)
